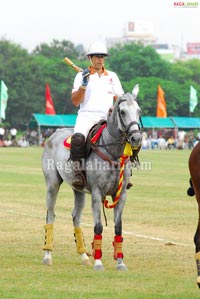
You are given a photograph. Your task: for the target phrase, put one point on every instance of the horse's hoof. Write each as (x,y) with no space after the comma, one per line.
(86,262)
(121,267)
(47,261)
(99,267)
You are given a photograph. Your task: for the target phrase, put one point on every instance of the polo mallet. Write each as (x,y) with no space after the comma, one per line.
(72,65)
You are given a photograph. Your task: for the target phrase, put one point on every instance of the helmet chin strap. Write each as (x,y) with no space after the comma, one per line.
(91,61)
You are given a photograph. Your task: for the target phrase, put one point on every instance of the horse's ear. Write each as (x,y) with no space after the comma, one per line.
(135,91)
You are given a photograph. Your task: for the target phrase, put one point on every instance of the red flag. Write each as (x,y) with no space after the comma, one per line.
(161,104)
(49,102)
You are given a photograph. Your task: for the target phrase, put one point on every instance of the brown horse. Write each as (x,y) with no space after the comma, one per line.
(194,167)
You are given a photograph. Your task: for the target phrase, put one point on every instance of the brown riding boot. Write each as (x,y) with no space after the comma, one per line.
(77,156)
(78,180)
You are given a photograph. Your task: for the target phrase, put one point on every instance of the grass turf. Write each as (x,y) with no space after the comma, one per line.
(159,223)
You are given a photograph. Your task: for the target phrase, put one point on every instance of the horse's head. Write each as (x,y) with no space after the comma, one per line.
(128,115)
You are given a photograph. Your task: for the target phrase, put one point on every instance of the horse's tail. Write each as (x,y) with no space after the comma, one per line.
(190,190)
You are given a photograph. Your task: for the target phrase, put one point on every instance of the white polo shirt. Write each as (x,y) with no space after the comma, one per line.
(99,92)
(98,98)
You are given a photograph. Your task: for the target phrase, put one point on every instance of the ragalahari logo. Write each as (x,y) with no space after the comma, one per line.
(180,4)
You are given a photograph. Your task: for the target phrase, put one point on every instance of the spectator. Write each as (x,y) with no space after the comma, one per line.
(2,132)
(22,142)
(171,143)
(190,139)
(161,142)
(7,142)
(13,133)
(181,139)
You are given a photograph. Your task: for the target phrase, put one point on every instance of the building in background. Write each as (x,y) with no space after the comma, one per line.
(140,31)
(143,32)
(193,50)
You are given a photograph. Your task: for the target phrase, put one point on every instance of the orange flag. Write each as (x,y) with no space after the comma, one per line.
(161,104)
(49,102)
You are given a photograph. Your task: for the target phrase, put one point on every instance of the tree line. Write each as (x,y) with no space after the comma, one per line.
(26,74)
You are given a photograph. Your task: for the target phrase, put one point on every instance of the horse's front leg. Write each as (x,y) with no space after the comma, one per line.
(195,176)
(197,245)
(98,229)
(118,239)
(79,204)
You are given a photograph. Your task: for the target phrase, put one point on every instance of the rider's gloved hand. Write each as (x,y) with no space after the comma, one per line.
(85,78)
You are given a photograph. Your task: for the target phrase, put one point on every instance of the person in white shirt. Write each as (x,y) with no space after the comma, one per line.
(2,132)
(13,133)
(181,139)
(94,90)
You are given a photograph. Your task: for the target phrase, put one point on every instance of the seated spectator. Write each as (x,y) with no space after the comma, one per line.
(161,143)
(171,143)
(22,142)
(7,142)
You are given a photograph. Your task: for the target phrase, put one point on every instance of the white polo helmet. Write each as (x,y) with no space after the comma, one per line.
(97,48)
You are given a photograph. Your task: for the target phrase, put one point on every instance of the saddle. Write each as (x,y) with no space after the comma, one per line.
(93,135)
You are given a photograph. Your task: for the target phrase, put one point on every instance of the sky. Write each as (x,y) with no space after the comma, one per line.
(32,22)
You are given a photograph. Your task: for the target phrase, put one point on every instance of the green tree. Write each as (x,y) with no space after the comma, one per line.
(56,48)
(26,75)
(22,77)
(135,60)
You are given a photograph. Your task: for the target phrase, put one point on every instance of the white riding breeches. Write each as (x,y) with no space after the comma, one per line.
(85,120)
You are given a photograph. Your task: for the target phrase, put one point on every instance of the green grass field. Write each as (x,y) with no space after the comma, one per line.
(159,223)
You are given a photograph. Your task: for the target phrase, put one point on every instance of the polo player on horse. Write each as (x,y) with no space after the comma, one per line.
(94,89)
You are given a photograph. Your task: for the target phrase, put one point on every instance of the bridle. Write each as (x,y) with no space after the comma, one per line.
(125,133)
(125,128)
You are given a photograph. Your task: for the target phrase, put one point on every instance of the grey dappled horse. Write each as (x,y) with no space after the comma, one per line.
(102,178)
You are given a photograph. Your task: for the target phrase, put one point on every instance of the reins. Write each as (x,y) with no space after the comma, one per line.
(121,163)
(123,159)
(95,148)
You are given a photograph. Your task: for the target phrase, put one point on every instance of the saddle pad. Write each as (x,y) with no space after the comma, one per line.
(127,150)
(67,141)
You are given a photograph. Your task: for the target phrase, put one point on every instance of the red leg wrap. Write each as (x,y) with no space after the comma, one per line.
(118,247)
(96,247)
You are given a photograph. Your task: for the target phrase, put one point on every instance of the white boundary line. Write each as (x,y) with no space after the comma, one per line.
(167,242)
